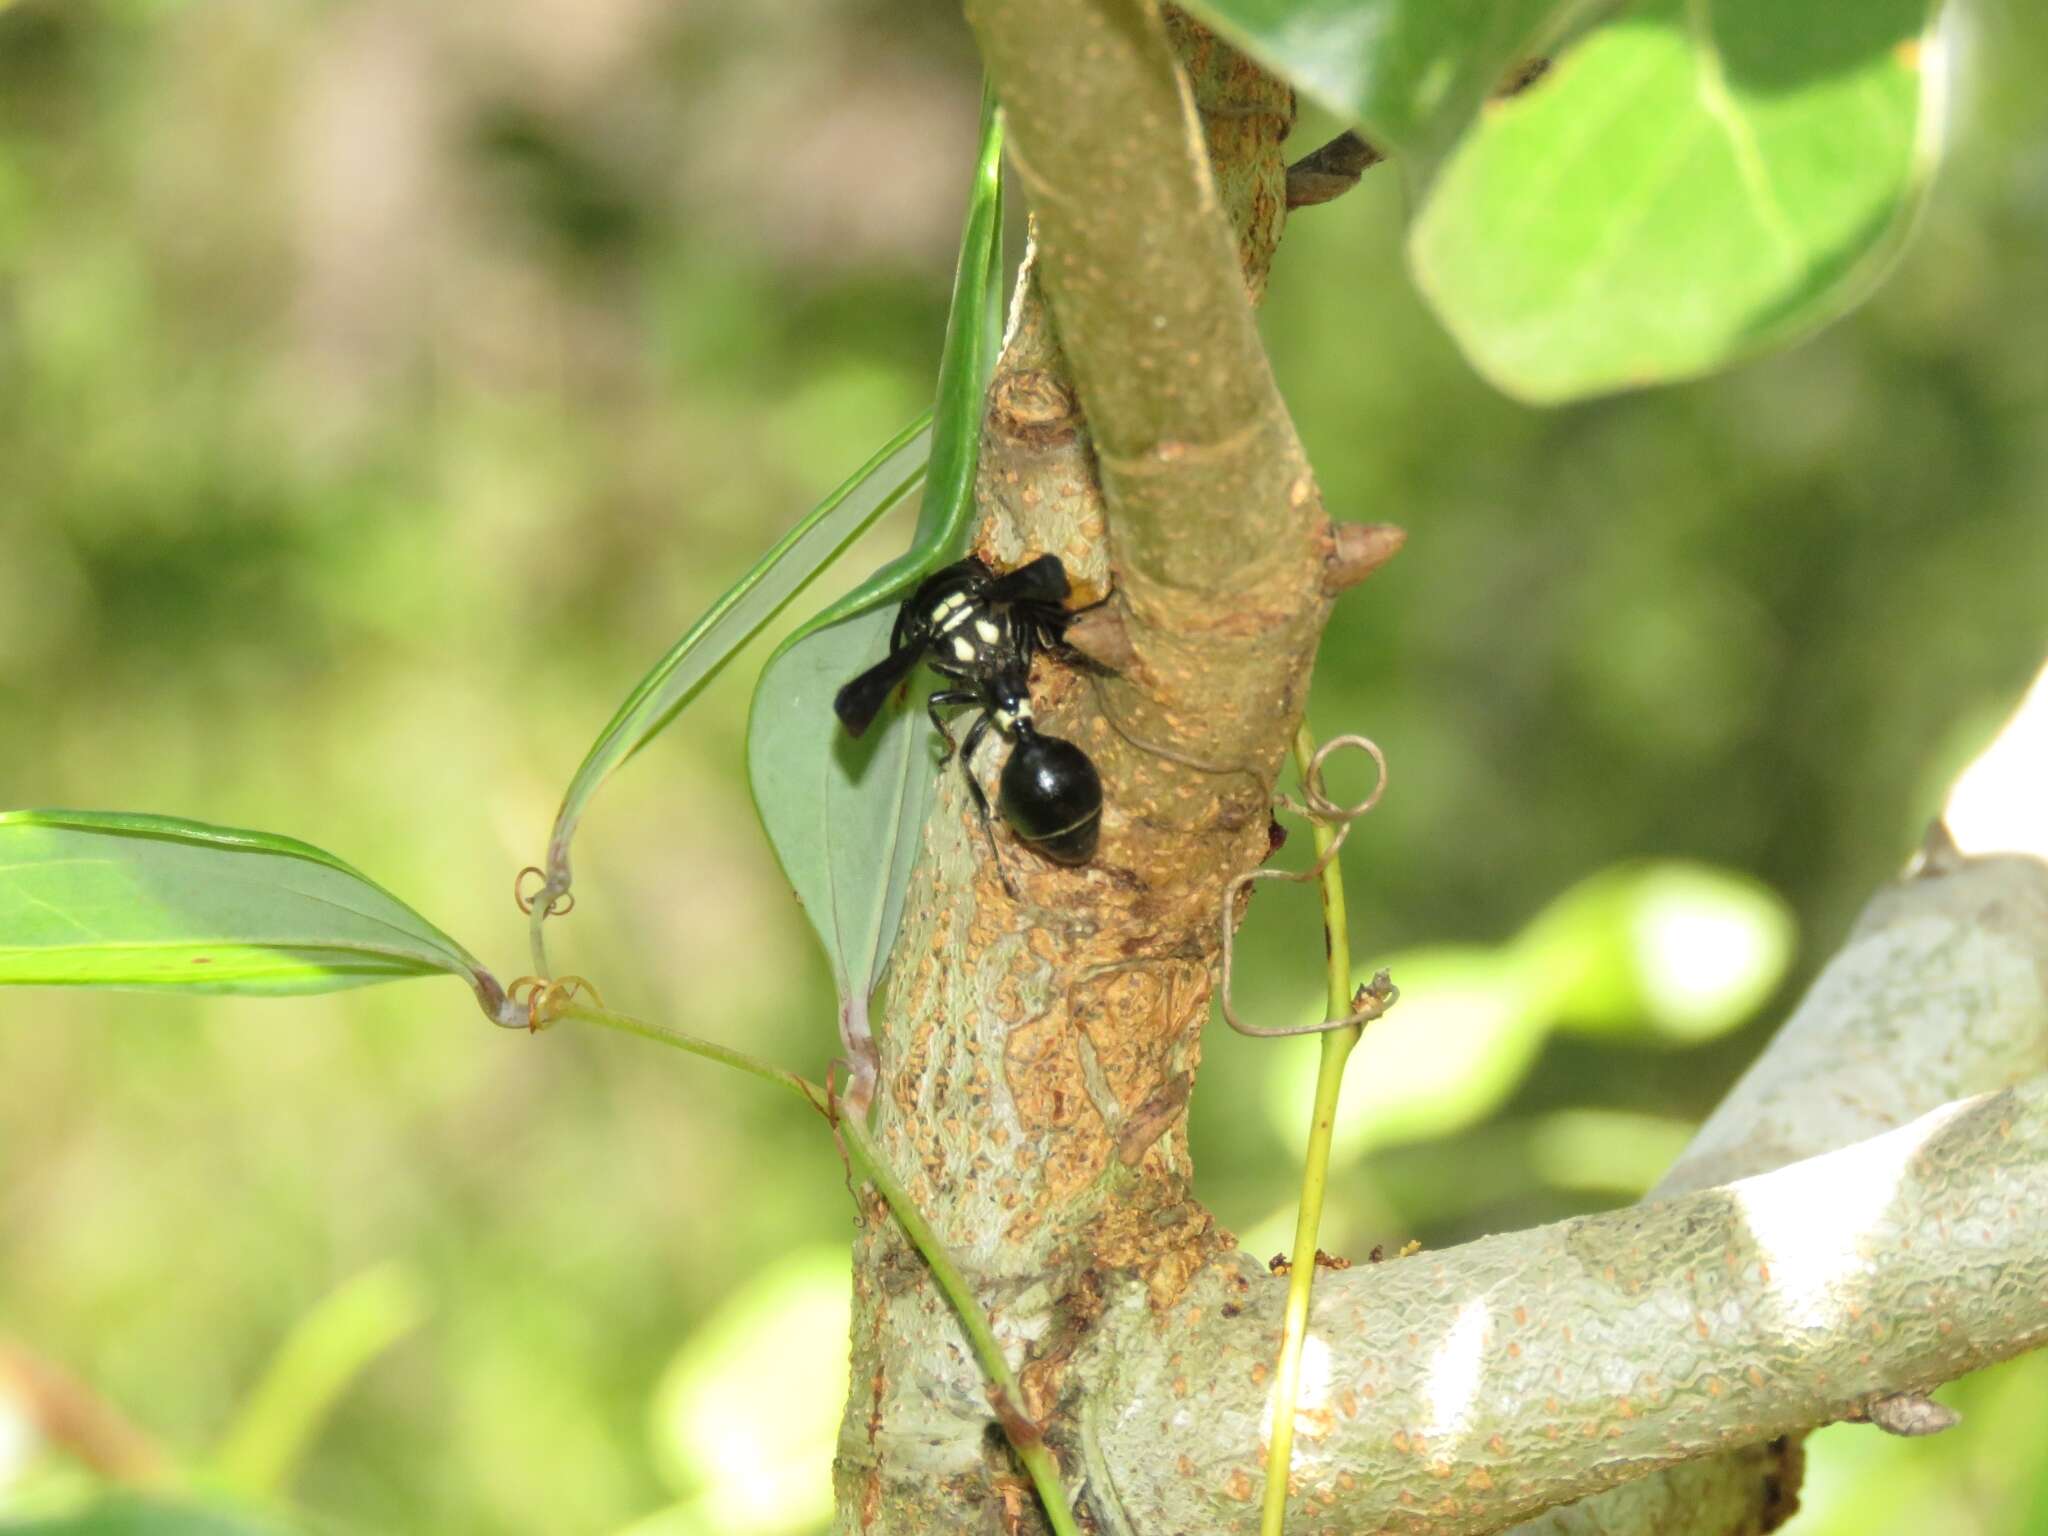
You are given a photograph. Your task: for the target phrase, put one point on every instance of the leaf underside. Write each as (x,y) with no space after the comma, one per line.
(149,902)
(1409,73)
(846,816)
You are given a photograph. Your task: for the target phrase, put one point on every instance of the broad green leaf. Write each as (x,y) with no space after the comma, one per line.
(1697,182)
(845,817)
(734,620)
(103,899)
(1409,73)
(124,1516)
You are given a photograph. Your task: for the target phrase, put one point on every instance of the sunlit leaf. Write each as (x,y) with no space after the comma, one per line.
(845,817)
(105,899)
(747,1414)
(736,618)
(973,335)
(1677,950)
(1605,1151)
(1696,182)
(1410,73)
(1445,1057)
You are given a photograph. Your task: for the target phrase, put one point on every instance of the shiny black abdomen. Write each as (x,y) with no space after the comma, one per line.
(1051,796)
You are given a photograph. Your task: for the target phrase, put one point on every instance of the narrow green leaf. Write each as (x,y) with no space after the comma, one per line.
(318,1361)
(1704,180)
(104,899)
(846,817)
(736,618)
(973,333)
(1409,73)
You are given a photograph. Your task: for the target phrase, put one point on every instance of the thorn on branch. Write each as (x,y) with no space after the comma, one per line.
(1937,854)
(1331,171)
(1357,550)
(1907,1413)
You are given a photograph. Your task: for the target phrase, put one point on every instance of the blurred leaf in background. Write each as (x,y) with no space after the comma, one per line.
(747,1413)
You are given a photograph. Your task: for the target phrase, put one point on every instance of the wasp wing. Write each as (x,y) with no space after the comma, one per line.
(1043,580)
(861,700)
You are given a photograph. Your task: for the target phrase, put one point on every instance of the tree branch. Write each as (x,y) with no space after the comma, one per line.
(1215,531)
(1937,994)
(1466,1390)
(1199,458)
(1463,1390)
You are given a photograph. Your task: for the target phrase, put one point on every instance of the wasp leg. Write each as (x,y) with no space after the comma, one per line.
(976,733)
(943,697)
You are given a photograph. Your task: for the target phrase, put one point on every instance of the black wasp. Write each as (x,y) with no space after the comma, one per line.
(983,629)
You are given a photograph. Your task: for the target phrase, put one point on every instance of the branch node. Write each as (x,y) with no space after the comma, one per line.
(1908,1413)
(1018,1427)
(1357,550)
(1937,854)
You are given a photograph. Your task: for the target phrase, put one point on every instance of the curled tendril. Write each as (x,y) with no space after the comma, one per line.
(546,998)
(561,904)
(1380,994)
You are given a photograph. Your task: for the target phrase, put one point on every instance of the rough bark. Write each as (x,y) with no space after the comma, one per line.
(1038,1054)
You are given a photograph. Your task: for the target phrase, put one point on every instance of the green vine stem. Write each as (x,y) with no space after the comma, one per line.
(591,1013)
(1006,1396)
(1337,1045)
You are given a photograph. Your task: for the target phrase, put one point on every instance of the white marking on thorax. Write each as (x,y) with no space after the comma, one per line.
(986,628)
(963,648)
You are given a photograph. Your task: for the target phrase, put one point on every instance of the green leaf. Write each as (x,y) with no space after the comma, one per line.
(736,618)
(973,333)
(1672,950)
(1449,1054)
(1699,182)
(845,817)
(136,1517)
(323,1355)
(1409,73)
(103,899)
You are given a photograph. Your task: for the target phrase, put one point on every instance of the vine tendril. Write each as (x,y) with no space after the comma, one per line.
(1378,995)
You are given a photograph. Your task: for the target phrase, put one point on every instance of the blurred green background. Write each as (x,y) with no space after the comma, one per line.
(383,386)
